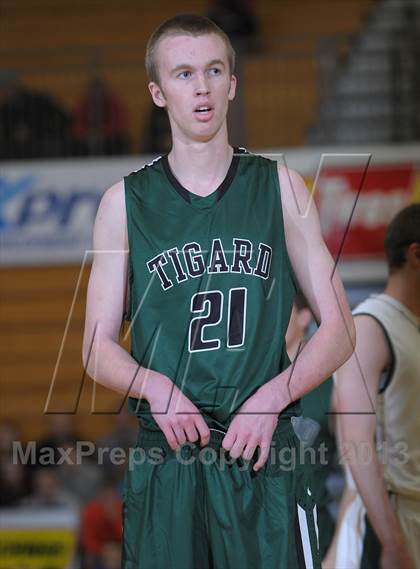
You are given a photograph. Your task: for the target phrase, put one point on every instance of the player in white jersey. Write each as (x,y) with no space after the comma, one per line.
(378,421)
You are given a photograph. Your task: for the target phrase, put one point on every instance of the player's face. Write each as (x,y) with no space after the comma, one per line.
(195,84)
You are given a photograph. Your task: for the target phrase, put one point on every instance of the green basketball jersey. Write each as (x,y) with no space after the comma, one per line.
(211,285)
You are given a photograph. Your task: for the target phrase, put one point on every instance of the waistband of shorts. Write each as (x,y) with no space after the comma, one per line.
(283,434)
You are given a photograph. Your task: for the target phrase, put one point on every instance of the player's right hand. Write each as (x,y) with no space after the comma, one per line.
(178,418)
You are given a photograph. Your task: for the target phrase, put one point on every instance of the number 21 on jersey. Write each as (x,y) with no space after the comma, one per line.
(212,303)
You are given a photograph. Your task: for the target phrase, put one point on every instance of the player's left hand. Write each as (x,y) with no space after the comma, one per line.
(253,426)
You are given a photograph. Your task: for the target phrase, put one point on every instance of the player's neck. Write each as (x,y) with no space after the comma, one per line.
(201,166)
(405,290)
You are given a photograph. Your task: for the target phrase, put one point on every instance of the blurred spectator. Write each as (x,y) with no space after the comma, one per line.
(100,123)
(238,20)
(14,479)
(60,430)
(47,492)
(13,483)
(110,556)
(157,132)
(8,434)
(77,475)
(101,532)
(32,125)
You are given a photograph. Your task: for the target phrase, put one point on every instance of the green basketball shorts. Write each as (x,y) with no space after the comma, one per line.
(197,508)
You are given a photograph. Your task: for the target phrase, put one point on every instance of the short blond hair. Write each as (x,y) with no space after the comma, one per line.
(189,24)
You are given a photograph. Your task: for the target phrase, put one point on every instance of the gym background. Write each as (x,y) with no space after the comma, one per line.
(328,86)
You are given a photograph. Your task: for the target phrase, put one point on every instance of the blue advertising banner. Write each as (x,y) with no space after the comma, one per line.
(47,209)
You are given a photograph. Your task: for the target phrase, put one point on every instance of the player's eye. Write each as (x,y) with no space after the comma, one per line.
(184,74)
(215,71)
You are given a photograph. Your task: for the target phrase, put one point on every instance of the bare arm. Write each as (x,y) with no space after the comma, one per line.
(356,400)
(332,344)
(104,359)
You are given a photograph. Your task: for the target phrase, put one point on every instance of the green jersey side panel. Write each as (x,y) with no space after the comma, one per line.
(211,286)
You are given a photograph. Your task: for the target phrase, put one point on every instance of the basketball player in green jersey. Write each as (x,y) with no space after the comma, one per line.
(315,425)
(209,250)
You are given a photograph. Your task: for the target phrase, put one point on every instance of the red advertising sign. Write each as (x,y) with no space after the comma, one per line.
(384,191)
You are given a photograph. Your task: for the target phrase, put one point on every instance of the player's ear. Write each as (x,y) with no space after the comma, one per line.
(157,94)
(232,88)
(413,255)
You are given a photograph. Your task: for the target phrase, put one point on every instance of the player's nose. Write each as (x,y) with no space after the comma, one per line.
(202,85)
